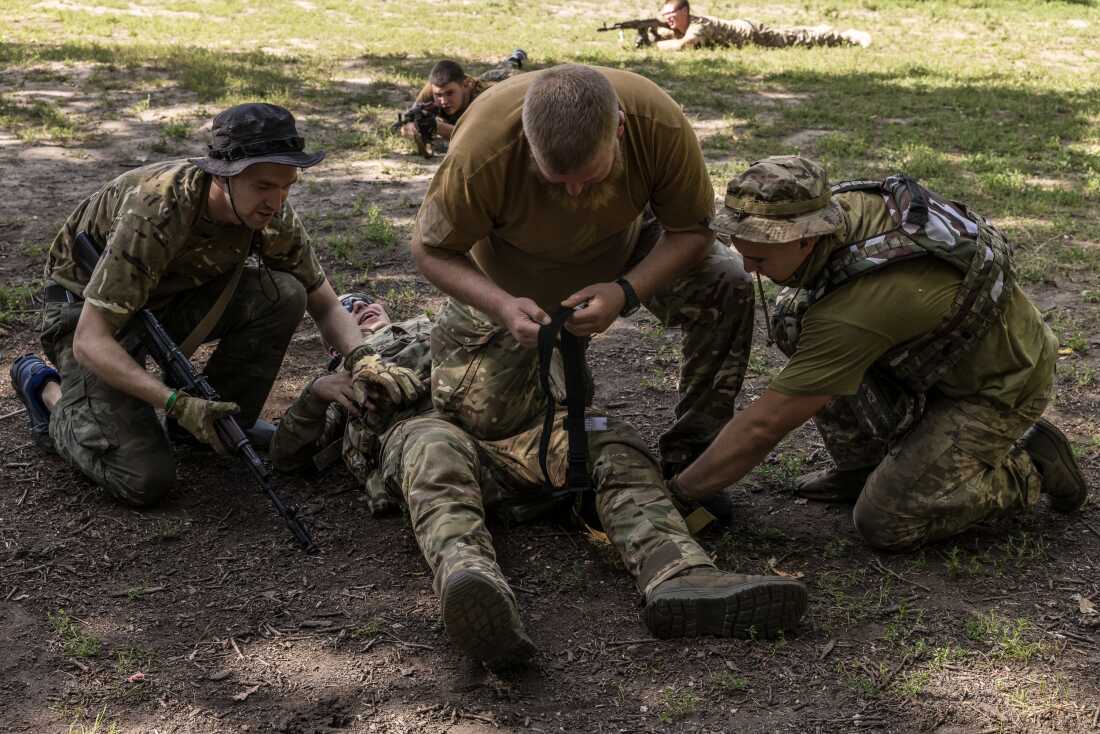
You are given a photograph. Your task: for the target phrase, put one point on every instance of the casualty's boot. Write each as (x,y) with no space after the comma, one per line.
(29,375)
(1052,455)
(706,601)
(481,618)
(833,485)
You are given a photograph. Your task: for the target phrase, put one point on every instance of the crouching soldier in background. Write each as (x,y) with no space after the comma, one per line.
(924,366)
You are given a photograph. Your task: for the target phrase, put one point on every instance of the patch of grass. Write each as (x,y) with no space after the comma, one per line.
(177,130)
(378,229)
(1007,638)
(36,120)
(960,563)
(99,726)
(675,704)
(75,642)
(913,683)
(16,298)
(730,682)
(371,628)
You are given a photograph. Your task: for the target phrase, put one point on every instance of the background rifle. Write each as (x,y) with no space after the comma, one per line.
(421,114)
(643,26)
(178,371)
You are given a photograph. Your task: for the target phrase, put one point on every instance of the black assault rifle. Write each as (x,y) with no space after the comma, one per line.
(179,372)
(421,114)
(643,26)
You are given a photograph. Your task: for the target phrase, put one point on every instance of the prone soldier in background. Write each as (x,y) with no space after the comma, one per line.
(448,92)
(684,30)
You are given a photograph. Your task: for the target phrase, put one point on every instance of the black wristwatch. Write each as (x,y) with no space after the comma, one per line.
(632,302)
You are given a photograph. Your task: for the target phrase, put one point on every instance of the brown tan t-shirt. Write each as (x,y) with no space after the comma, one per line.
(847,331)
(527,235)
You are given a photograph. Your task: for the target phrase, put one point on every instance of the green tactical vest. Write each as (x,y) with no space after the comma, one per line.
(927,225)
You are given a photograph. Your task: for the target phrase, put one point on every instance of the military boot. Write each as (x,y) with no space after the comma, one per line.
(1052,455)
(706,601)
(481,618)
(833,485)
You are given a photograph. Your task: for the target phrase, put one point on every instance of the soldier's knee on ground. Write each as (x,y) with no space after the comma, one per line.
(142,481)
(886,531)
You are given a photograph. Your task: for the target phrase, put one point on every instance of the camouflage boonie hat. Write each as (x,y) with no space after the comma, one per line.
(252,133)
(778,199)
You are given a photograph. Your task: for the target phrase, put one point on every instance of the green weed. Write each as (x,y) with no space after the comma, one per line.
(675,704)
(75,642)
(1007,638)
(729,682)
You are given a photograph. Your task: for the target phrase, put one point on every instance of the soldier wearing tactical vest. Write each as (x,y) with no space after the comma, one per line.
(924,366)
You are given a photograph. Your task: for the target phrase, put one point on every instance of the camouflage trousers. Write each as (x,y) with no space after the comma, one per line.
(448,479)
(117,440)
(958,463)
(713,306)
(746,31)
(481,446)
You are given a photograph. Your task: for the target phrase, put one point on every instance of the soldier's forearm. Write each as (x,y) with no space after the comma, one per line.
(455,275)
(295,439)
(97,350)
(674,254)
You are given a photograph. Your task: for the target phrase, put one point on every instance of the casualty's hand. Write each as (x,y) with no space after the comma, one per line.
(383,389)
(522,317)
(199,416)
(605,303)
(336,388)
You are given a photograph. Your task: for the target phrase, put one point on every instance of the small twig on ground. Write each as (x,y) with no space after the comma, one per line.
(641,641)
(1090,527)
(12,414)
(403,643)
(893,673)
(479,717)
(19,448)
(79,664)
(139,591)
(233,642)
(898,576)
(524,590)
(25,570)
(11,593)
(23,496)
(828,648)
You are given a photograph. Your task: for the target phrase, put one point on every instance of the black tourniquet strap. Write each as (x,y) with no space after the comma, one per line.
(572,355)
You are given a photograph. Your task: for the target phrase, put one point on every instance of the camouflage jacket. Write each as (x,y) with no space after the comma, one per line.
(160,241)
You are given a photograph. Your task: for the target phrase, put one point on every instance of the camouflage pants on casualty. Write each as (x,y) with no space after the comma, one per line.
(117,440)
(957,463)
(713,306)
(480,446)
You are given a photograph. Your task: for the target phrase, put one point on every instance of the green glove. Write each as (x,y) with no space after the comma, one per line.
(198,416)
(388,387)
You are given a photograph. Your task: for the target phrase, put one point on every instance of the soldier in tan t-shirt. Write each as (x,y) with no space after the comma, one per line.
(925,367)
(700,31)
(565,186)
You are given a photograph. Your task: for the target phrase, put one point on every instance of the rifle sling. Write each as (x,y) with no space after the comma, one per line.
(572,353)
(210,320)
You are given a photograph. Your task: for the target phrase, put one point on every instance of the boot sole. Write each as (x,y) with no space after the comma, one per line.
(753,610)
(479,618)
(1057,439)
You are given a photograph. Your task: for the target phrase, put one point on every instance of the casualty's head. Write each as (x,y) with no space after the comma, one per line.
(572,122)
(676,14)
(451,88)
(254,156)
(775,212)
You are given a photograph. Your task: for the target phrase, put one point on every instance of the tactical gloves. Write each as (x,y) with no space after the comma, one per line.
(199,416)
(387,387)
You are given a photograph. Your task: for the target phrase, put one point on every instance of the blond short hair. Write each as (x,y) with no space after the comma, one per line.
(570,114)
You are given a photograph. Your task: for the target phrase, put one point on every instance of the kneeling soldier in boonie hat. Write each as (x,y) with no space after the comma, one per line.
(175,236)
(924,366)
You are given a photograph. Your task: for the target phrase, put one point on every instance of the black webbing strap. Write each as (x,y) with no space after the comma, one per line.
(572,356)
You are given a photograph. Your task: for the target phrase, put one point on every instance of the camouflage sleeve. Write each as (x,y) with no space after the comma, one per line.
(138,251)
(286,247)
(301,432)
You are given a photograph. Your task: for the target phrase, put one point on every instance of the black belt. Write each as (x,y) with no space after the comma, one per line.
(54,293)
(572,355)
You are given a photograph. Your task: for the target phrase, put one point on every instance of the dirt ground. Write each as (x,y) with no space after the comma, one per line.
(201,616)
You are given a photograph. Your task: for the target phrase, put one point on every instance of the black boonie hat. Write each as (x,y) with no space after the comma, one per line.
(255,133)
